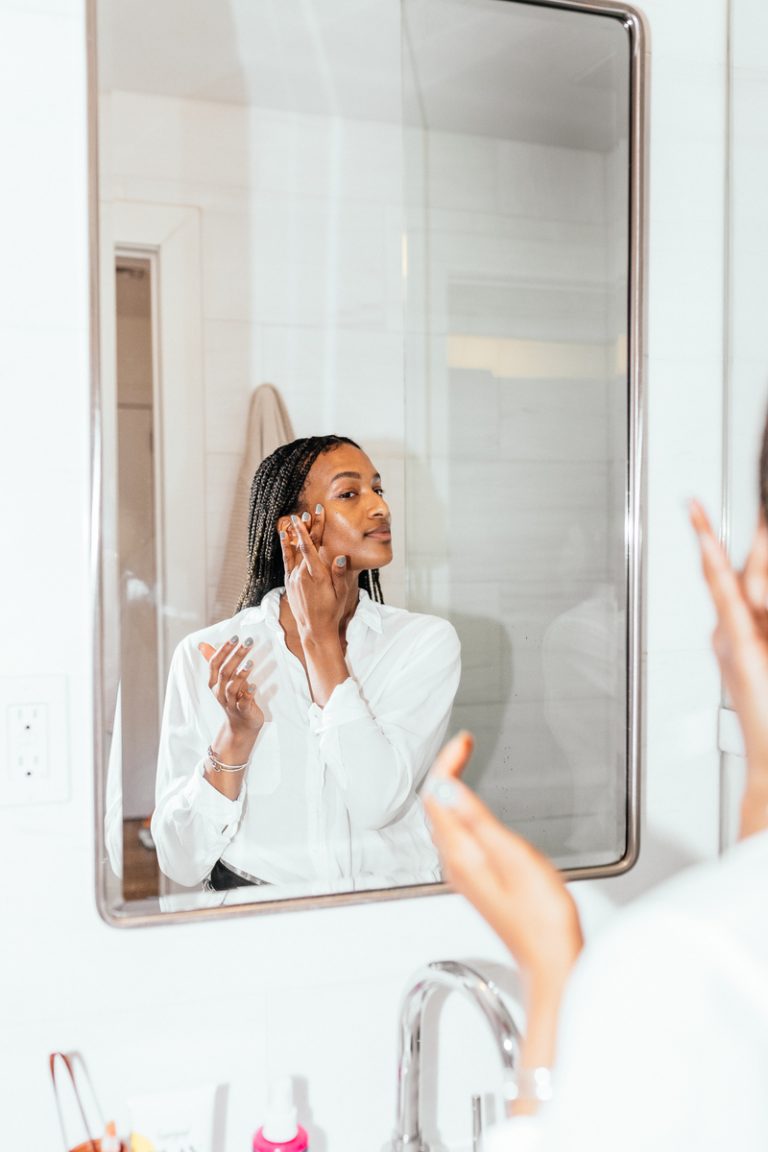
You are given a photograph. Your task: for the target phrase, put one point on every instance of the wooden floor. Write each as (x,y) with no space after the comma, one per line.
(141,875)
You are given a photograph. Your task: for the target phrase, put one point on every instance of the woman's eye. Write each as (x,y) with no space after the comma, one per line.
(379,491)
(346,495)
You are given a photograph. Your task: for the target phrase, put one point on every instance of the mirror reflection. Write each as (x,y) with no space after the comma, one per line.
(327,706)
(364,281)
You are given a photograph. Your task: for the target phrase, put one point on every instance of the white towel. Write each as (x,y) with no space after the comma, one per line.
(269,426)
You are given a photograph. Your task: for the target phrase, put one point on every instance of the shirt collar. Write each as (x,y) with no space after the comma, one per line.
(367,612)
(269,609)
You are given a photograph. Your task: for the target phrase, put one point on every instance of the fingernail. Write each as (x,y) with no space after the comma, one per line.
(341,561)
(318,509)
(444,792)
(250,687)
(306,517)
(294,519)
(248,664)
(248,642)
(282,534)
(234,640)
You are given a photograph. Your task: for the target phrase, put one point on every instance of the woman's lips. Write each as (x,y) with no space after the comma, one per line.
(380,534)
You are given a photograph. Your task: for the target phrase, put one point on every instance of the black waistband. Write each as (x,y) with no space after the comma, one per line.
(223,878)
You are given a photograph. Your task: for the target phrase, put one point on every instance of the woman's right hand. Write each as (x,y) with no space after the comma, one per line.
(228,670)
(740,641)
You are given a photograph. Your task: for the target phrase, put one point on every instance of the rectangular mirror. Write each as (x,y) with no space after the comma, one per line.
(415,225)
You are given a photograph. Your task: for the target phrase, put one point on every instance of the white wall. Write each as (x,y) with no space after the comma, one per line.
(516,318)
(313,992)
(300,221)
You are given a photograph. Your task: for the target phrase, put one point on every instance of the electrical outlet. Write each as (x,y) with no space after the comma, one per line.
(33,740)
(27,728)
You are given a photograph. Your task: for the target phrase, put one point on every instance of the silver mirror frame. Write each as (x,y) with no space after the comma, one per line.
(636,27)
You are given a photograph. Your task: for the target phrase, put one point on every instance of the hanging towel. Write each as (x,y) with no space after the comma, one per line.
(269,426)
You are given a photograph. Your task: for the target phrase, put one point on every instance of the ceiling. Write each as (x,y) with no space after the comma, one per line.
(484,67)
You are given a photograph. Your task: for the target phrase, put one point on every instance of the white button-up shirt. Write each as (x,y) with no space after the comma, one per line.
(330,793)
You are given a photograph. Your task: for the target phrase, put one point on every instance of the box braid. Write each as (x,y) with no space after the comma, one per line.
(276,491)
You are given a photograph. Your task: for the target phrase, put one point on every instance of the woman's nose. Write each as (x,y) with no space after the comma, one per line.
(379,507)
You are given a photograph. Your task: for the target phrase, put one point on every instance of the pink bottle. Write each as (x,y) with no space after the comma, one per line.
(281,1131)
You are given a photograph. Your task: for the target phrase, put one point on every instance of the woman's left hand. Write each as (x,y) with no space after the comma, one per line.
(518,892)
(514,887)
(317,592)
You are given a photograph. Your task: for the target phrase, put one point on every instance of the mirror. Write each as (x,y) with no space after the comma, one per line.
(418,226)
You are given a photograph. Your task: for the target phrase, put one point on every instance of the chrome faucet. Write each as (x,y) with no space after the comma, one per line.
(458,977)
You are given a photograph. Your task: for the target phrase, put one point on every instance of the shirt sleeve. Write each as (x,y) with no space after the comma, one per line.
(193,822)
(379,751)
(659,1045)
(523,1134)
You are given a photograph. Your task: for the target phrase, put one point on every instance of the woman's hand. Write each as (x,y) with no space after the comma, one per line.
(228,671)
(740,641)
(229,683)
(514,887)
(317,592)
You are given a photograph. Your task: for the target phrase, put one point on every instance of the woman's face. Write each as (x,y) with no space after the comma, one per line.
(357,519)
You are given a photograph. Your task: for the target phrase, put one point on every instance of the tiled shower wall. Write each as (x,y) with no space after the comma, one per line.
(450,302)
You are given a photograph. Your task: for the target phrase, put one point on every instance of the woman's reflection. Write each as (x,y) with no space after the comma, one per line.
(296,734)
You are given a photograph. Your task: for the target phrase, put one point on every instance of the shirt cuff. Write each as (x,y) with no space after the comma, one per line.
(202,797)
(522,1134)
(344,706)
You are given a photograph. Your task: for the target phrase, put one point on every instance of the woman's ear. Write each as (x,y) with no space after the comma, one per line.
(283,524)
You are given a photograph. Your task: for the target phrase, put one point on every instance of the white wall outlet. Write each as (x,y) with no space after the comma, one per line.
(33,740)
(27,728)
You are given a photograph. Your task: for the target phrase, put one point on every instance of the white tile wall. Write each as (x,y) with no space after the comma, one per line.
(308,988)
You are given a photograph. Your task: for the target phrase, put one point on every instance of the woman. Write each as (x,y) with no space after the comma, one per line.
(296,734)
(661,1028)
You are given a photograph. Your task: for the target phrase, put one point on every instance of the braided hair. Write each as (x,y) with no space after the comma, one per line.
(276,491)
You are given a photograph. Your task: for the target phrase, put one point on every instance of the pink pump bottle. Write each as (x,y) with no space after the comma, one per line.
(281,1131)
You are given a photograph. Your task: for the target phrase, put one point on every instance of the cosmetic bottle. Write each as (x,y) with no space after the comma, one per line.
(281,1131)
(109,1141)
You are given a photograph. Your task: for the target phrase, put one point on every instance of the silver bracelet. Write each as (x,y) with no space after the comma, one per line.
(529,1084)
(217,766)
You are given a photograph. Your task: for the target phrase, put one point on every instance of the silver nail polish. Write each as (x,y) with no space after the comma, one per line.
(248,642)
(248,665)
(341,561)
(294,519)
(318,509)
(444,792)
(234,640)
(282,534)
(306,517)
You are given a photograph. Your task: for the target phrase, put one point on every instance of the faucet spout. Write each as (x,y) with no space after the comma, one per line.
(454,976)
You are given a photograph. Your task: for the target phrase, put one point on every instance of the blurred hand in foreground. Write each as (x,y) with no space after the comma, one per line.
(740,642)
(520,894)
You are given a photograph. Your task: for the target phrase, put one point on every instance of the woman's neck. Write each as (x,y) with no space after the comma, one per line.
(288,620)
(353,599)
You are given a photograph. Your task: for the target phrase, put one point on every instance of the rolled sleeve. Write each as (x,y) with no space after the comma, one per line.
(193,826)
(193,822)
(344,706)
(200,796)
(523,1134)
(379,751)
